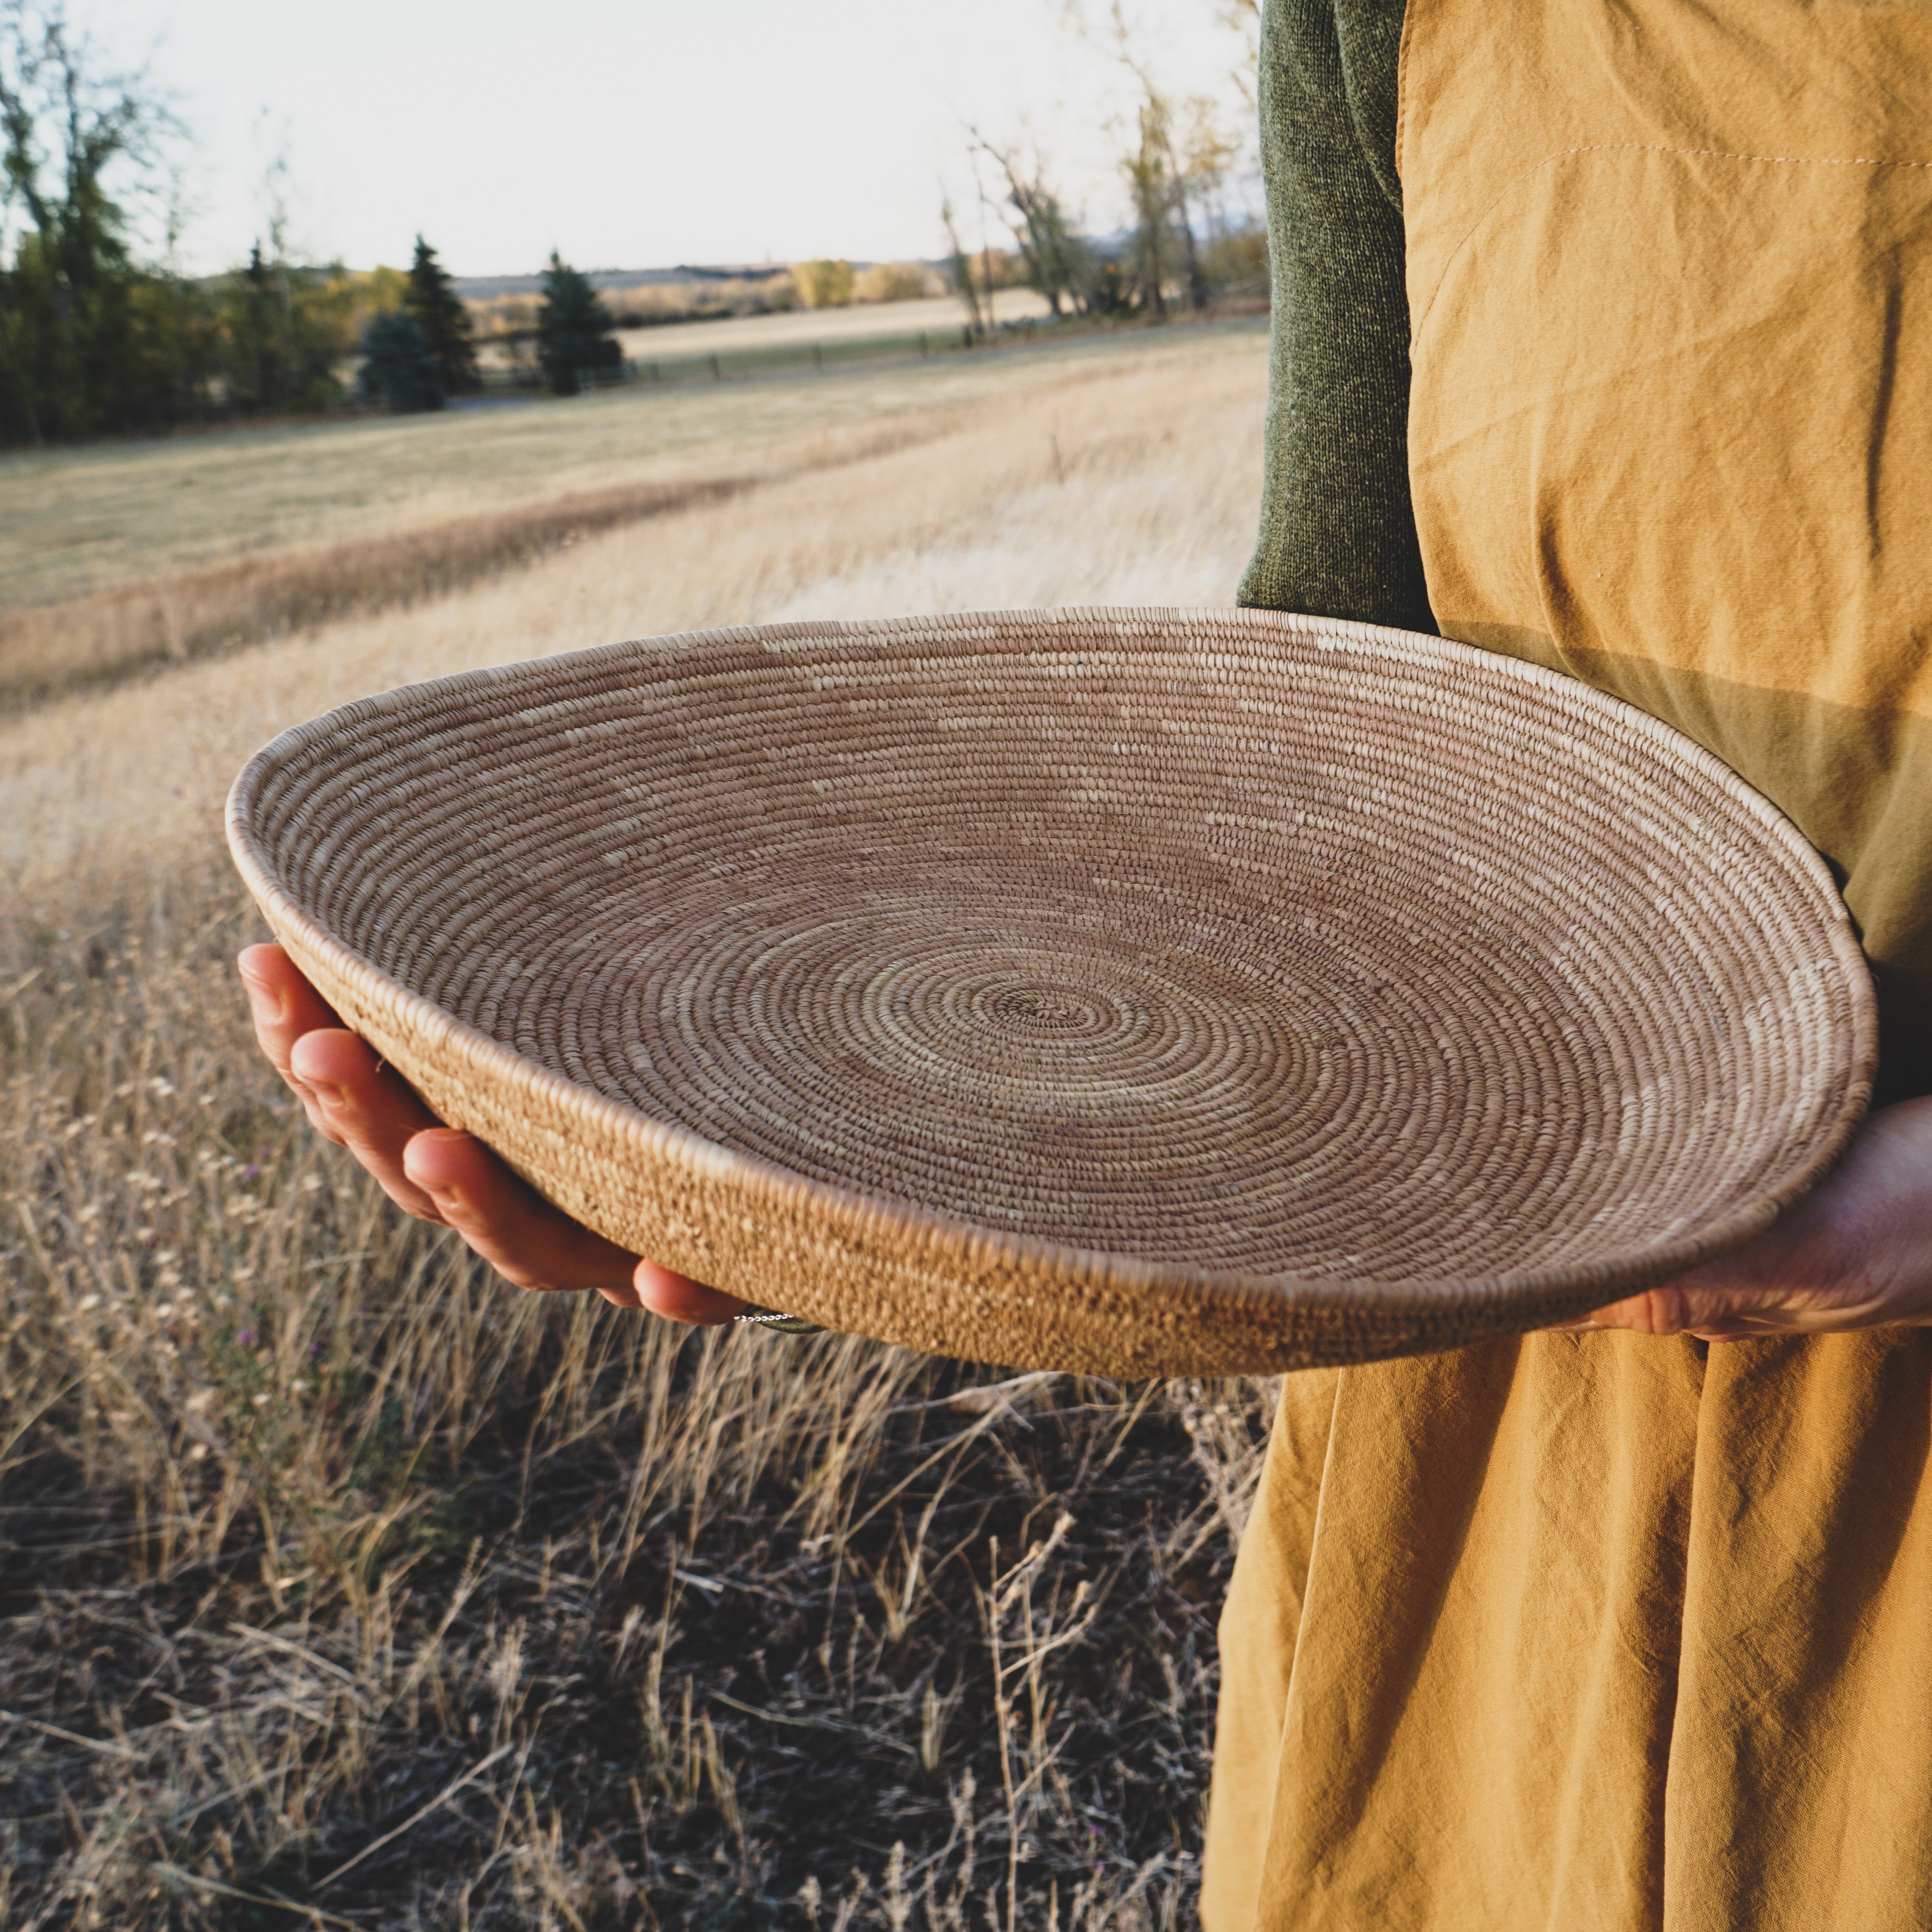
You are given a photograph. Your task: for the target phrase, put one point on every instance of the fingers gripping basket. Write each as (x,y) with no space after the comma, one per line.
(1135,991)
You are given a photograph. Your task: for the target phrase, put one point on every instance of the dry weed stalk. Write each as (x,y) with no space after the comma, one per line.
(343,1585)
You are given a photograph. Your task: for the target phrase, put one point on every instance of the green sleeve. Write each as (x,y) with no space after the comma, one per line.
(1337,532)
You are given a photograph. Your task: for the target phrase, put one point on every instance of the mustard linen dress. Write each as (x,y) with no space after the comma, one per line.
(1604,1631)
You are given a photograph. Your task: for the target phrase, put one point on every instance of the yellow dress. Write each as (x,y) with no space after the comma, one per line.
(1603,1631)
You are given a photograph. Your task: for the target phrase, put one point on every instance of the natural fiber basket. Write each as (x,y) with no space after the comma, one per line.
(1138,991)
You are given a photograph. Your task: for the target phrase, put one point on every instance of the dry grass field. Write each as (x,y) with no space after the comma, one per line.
(107,516)
(342,1585)
(942,315)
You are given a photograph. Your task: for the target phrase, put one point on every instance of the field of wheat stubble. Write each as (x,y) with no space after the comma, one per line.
(342,1585)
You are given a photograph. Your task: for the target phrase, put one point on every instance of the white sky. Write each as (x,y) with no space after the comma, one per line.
(628,135)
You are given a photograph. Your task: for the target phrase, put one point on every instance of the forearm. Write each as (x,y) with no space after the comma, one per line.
(1337,537)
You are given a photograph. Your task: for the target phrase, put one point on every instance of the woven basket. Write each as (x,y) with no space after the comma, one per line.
(1137,991)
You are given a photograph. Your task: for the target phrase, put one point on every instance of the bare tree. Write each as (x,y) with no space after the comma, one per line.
(962,269)
(1151,183)
(1188,178)
(1172,181)
(985,236)
(58,117)
(1244,17)
(1047,244)
(1209,153)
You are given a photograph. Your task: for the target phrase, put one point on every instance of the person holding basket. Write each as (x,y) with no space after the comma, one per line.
(1603,338)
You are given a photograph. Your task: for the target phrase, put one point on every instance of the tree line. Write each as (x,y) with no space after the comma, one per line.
(91,340)
(1176,249)
(94,341)
(418,355)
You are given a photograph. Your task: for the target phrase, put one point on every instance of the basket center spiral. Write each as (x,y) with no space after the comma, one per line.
(1046,1008)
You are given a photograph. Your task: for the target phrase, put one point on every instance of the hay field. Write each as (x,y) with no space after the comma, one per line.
(941,315)
(98,517)
(161,553)
(340,1585)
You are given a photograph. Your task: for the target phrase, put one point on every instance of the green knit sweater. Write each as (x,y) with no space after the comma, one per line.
(1337,532)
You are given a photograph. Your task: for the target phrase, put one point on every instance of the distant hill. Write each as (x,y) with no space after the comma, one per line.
(491,288)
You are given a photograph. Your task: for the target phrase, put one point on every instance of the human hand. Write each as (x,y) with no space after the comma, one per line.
(441,1173)
(1856,1253)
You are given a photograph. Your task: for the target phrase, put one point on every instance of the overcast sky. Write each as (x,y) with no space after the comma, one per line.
(637,135)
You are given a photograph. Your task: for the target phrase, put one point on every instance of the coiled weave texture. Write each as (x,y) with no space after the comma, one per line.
(1142,991)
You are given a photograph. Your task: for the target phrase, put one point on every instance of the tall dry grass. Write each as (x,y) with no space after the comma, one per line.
(50,648)
(57,647)
(314,1533)
(340,1585)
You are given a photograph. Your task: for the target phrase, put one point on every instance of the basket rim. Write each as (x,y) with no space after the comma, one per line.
(1554,1292)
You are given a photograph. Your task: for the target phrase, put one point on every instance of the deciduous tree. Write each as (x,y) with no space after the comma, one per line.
(76,351)
(287,327)
(824,284)
(962,272)
(1059,263)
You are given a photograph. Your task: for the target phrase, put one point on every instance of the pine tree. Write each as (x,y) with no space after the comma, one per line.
(574,329)
(399,366)
(443,316)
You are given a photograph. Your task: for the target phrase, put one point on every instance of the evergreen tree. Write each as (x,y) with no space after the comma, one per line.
(443,316)
(399,366)
(263,374)
(574,329)
(286,329)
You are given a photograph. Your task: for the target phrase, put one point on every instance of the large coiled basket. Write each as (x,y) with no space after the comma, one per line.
(1137,991)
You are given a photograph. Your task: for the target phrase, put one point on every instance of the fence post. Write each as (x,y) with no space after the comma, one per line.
(925,347)
(717,373)
(818,358)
